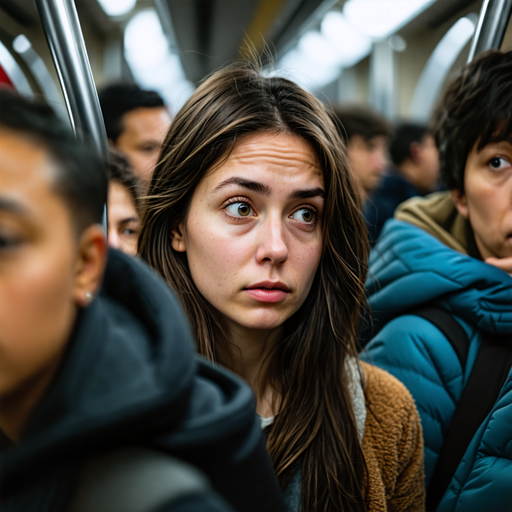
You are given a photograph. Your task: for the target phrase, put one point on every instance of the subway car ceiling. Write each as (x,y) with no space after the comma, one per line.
(203,35)
(211,33)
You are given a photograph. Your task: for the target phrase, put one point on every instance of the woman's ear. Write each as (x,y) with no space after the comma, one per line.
(90,264)
(178,239)
(461,203)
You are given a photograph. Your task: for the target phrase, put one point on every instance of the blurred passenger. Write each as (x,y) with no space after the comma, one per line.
(99,383)
(122,205)
(254,219)
(415,173)
(366,135)
(415,156)
(136,122)
(446,252)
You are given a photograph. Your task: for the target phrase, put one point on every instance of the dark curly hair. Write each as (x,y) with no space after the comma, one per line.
(80,175)
(118,99)
(476,108)
(358,120)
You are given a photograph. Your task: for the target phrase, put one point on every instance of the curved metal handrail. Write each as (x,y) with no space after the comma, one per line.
(492,24)
(64,35)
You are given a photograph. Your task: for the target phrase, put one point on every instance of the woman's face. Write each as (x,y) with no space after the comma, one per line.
(487,198)
(123,219)
(253,234)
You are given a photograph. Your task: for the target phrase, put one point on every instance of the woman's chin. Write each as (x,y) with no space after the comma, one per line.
(261,320)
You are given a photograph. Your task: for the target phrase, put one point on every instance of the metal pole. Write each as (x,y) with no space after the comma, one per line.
(492,24)
(64,35)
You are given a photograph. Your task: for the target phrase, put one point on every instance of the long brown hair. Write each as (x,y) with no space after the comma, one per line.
(315,430)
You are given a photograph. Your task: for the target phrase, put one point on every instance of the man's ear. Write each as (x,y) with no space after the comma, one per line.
(178,239)
(461,203)
(90,264)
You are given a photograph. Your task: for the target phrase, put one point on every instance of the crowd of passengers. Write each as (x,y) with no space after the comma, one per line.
(238,346)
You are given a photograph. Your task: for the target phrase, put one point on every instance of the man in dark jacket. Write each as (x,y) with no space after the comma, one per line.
(366,135)
(99,382)
(136,122)
(415,172)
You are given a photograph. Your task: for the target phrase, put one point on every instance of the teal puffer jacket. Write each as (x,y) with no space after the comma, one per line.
(409,268)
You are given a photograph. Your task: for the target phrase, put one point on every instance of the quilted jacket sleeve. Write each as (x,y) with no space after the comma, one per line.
(420,356)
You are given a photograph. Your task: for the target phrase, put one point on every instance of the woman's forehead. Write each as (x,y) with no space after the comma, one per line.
(272,157)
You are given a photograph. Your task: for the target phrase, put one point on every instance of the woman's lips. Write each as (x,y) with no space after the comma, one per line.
(266,295)
(268,291)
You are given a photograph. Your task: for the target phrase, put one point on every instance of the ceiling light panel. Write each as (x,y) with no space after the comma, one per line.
(381,18)
(117,7)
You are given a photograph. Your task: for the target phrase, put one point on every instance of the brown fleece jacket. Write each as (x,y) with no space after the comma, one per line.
(392,445)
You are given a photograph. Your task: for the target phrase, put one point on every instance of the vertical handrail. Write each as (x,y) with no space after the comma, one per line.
(64,35)
(492,24)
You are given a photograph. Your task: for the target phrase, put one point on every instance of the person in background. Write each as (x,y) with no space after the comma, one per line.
(415,172)
(366,135)
(452,251)
(123,205)
(253,217)
(104,404)
(136,122)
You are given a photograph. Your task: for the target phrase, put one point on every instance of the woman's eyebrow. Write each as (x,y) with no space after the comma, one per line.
(128,219)
(254,186)
(307,193)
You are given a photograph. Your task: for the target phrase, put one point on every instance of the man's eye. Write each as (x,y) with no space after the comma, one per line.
(240,209)
(497,163)
(304,215)
(8,242)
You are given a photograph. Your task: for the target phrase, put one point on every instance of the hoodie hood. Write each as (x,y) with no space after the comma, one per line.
(409,268)
(131,377)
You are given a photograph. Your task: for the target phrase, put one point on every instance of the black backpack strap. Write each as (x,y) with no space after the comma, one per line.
(452,330)
(482,389)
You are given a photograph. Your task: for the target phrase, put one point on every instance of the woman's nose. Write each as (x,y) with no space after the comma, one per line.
(272,245)
(113,238)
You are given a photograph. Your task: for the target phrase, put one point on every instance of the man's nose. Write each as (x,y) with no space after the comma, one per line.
(380,161)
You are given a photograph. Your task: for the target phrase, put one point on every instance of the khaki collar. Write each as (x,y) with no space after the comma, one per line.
(437,215)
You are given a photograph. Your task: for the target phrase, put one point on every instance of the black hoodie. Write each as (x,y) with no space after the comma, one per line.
(130,377)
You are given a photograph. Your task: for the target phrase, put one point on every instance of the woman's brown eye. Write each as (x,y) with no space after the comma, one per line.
(304,215)
(244,210)
(239,209)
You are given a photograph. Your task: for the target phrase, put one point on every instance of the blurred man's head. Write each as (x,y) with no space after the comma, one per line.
(366,134)
(52,246)
(473,131)
(414,153)
(136,122)
(123,205)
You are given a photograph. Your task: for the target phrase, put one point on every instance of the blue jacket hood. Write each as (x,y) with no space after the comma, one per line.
(409,267)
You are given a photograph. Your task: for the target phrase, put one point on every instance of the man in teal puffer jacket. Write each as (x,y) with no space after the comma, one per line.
(454,250)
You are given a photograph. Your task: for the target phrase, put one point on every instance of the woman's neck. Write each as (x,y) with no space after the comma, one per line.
(249,351)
